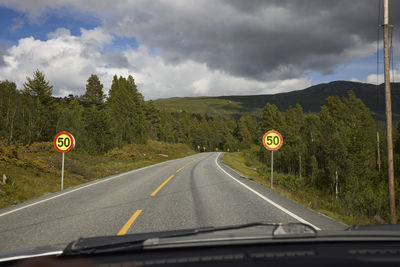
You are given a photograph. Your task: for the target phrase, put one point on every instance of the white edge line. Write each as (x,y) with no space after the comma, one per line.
(315,211)
(267,199)
(82,187)
(31,256)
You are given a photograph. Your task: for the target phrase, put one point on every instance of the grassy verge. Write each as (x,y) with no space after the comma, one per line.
(35,170)
(246,164)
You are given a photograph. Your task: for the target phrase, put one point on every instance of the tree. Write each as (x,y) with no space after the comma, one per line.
(126,105)
(41,109)
(293,153)
(363,136)
(271,119)
(244,133)
(97,130)
(39,87)
(94,94)
(8,109)
(70,119)
(153,119)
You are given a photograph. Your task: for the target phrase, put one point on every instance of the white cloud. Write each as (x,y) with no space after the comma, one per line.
(68,61)
(60,32)
(374,79)
(157,79)
(251,39)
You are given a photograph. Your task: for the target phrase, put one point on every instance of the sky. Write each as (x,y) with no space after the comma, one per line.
(195,47)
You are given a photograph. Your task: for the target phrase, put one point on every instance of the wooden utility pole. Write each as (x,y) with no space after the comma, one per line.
(392,204)
(378,160)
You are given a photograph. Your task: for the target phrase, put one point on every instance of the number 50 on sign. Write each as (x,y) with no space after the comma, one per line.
(64,142)
(272,140)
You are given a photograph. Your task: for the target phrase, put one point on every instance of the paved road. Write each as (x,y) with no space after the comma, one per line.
(194,191)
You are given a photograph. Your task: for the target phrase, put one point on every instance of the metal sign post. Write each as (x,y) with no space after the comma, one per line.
(62,172)
(272,140)
(272,169)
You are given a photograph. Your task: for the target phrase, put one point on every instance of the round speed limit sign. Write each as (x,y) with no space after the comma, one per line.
(64,142)
(272,140)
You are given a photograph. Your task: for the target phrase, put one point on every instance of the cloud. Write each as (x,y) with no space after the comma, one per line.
(379,79)
(60,32)
(3,52)
(203,47)
(66,60)
(264,40)
(18,23)
(158,79)
(355,80)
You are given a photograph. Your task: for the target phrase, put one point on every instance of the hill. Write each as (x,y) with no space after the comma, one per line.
(311,99)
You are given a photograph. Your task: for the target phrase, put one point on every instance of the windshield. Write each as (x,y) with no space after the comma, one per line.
(136,117)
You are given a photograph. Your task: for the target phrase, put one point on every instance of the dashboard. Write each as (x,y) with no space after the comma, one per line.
(280,254)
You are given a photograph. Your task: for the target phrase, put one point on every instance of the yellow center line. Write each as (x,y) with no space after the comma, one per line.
(129,223)
(169,178)
(189,162)
(161,186)
(180,169)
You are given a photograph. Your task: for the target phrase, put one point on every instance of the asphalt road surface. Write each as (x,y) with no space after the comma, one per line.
(194,191)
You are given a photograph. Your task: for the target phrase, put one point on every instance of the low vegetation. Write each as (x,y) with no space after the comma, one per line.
(34,170)
(296,188)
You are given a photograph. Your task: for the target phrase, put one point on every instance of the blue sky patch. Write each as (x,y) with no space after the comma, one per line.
(355,69)
(15,25)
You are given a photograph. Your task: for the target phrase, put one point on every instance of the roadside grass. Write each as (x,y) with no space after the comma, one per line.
(35,170)
(295,188)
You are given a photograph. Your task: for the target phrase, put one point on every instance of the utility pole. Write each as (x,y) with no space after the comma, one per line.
(378,160)
(392,204)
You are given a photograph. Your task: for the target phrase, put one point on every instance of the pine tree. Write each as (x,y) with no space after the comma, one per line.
(42,109)
(94,94)
(9,105)
(153,119)
(126,105)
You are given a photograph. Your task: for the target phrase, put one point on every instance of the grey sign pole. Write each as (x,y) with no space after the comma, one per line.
(62,171)
(272,169)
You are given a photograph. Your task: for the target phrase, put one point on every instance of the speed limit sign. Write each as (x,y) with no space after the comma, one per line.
(272,140)
(63,142)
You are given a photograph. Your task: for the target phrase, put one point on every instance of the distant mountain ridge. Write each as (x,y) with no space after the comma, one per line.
(311,99)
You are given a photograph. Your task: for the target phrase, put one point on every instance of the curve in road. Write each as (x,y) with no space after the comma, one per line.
(191,192)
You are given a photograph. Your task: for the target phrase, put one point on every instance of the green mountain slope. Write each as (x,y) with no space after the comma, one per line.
(311,99)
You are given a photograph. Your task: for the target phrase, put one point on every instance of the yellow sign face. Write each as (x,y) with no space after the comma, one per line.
(272,140)
(64,142)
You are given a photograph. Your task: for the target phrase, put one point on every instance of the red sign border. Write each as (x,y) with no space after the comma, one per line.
(265,145)
(72,142)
